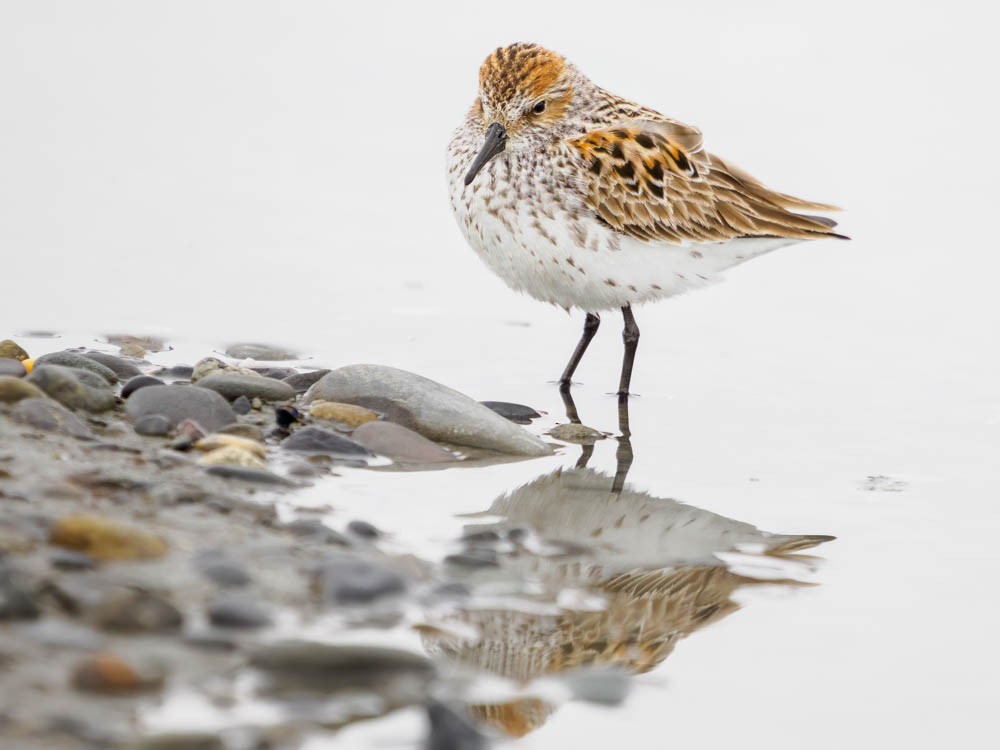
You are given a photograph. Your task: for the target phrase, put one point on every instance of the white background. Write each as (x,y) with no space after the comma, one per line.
(247,170)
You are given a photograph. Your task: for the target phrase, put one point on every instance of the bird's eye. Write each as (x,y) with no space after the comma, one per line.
(539,107)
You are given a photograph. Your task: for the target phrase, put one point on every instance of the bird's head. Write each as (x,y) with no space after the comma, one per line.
(525,94)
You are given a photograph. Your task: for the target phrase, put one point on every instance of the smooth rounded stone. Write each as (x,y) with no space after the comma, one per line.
(248,431)
(11,350)
(227,440)
(440,413)
(229,611)
(65,559)
(221,569)
(152,425)
(250,474)
(232,386)
(105,540)
(451,730)
(136,611)
(262,352)
(242,405)
(275,373)
(364,529)
(325,665)
(474,557)
(119,366)
(517,413)
(320,440)
(231,455)
(352,580)
(303,381)
(14,389)
(178,402)
(60,633)
(215,366)
(11,368)
(71,387)
(46,414)
(576,433)
(314,530)
(78,361)
(400,444)
(139,381)
(348,414)
(110,674)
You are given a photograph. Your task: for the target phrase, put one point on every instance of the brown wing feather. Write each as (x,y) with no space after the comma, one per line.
(653,180)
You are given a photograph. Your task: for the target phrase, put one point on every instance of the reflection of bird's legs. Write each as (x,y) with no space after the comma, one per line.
(586,451)
(623,455)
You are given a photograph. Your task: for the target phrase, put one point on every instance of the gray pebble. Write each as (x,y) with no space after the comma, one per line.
(140,381)
(16,602)
(178,372)
(238,612)
(302,381)
(178,403)
(65,559)
(247,474)
(314,530)
(320,440)
(353,580)
(135,611)
(78,361)
(221,570)
(517,413)
(46,414)
(364,529)
(12,368)
(119,366)
(242,405)
(474,557)
(152,425)
(72,387)
(275,373)
(233,385)
(400,443)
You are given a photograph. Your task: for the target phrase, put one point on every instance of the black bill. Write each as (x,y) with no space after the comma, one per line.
(496,139)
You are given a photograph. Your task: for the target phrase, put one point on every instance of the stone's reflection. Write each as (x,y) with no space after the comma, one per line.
(654,562)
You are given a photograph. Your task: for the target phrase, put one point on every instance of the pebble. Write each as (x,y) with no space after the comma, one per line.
(78,361)
(14,389)
(110,674)
(71,387)
(275,373)
(262,352)
(179,402)
(232,386)
(579,434)
(178,372)
(474,557)
(140,381)
(231,455)
(136,611)
(46,414)
(303,381)
(248,431)
(400,444)
(214,366)
(225,440)
(347,414)
(105,540)
(231,611)
(65,559)
(439,412)
(152,425)
(241,405)
(315,665)
(10,367)
(320,440)
(364,529)
(10,350)
(121,367)
(314,530)
(451,730)
(352,580)
(517,413)
(250,474)
(221,569)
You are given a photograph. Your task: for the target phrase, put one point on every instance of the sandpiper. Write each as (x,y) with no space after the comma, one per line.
(589,201)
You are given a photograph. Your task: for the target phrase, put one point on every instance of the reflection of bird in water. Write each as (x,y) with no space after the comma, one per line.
(653,560)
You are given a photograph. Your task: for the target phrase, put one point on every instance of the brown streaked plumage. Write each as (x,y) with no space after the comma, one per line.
(584,199)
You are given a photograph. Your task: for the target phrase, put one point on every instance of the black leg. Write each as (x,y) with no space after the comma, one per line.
(623,456)
(630,335)
(590,326)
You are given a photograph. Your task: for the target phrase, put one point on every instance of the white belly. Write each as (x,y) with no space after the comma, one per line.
(557,251)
